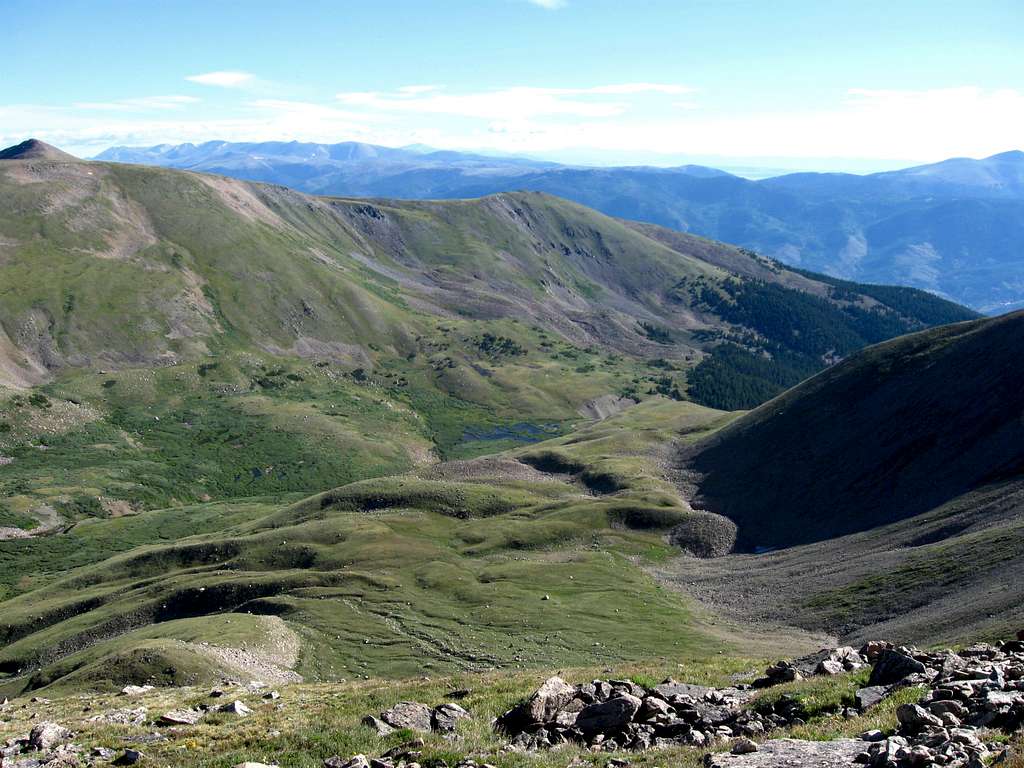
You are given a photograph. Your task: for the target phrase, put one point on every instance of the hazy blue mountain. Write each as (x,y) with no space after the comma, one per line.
(952,227)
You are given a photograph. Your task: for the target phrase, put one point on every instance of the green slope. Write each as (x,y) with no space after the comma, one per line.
(463,566)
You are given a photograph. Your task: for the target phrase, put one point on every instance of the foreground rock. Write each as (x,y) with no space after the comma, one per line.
(409,714)
(181,717)
(443,718)
(978,688)
(968,694)
(48,735)
(610,715)
(792,752)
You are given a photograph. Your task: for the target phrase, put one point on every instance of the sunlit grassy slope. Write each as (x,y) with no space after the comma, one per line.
(470,565)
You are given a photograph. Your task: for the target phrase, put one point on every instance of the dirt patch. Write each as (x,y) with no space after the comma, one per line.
(241,199)
(315,349)
(271,661)
(486,469)
(190,313)
(605,406)
(17,369)
(49,522)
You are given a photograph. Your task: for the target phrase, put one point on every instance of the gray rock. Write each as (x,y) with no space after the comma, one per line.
(378,725)
(548,699)
(743,747)
(358,761)
(236,707)
(409,714)
(892,666)
(180,717)
(792,752)
(608,716)
(447,715)
(870,696)
(129,757)
(47,735)
(652,707)
(914,718)
(829,667)
(671,688)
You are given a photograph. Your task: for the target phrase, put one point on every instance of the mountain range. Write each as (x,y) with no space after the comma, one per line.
(952,227)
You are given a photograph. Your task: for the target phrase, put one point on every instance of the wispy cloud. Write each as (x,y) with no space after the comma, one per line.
(142,103)
(549,5)
(515,103)
(222,79)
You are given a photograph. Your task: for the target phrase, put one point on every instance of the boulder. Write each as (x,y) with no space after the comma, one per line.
(236,707)
(914,718)
(743,747)
(545,703)
(548,699)
(829,667)
(446,716)
(409,714)
(378,725)
(670,688)
(47,735)
(357,761)
(870,696)
(180,717)
(608,716)
(129,757)
(894,665)
(135,690)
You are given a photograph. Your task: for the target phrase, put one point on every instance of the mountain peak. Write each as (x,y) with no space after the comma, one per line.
(34,149)
(1015,155)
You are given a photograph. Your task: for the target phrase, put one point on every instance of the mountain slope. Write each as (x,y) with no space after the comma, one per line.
(353,280)
(177,338)
(881,228)
(883,497)
(897,430)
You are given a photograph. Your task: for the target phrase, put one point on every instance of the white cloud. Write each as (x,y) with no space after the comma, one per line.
(513,103)
(222,79)
(548,5)
(619,122)
(139,104)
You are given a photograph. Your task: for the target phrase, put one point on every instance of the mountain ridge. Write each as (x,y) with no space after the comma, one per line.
(882,228)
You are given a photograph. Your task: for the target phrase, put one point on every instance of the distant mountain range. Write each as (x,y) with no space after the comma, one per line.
(953,227)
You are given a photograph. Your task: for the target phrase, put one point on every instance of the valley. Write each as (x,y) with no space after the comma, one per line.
(367,449)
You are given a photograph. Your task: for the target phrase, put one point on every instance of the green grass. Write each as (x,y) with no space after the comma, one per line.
(311,722)
(436,575)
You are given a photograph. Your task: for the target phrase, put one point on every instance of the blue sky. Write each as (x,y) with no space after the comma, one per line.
(788,83)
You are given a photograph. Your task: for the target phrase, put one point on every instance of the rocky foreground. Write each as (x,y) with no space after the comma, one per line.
(970,693)
(971,700)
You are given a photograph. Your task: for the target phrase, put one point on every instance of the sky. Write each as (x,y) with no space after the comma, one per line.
(786,84)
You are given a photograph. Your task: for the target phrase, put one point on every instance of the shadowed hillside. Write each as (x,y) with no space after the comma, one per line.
(894,431)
